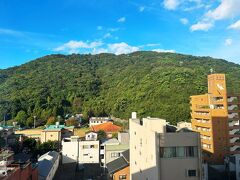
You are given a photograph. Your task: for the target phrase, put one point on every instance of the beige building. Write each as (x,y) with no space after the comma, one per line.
(50,133)
(157,152)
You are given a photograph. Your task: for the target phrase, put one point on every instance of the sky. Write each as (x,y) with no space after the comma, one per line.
(34,28)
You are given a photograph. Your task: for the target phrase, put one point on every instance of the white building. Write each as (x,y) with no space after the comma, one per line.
(157,154)
(183,124)
(83,152)
(98,120)
(91,136)
(47,165)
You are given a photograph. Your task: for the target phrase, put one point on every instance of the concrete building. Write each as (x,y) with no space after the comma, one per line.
(98,120)
(183,124)
(159,153)
(47,165)
(215,116)
(53,133)
(111,149)
(82,152)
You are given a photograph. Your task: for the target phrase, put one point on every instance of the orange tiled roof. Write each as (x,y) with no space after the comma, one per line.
(107,127)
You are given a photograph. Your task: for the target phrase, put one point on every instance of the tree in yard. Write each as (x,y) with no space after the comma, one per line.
(51,121)
(30,143)
(21,118)
(101,135)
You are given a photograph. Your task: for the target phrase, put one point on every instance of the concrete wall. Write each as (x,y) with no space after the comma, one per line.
(50,135)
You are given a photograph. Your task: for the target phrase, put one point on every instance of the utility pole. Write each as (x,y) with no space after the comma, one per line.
(34,122)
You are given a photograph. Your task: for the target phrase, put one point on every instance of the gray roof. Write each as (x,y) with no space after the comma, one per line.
(46,162)
(116,165)
(119,163)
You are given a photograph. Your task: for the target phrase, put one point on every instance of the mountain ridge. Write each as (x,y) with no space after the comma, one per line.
(151,83)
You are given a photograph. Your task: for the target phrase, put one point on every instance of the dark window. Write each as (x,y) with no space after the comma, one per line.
(192,173)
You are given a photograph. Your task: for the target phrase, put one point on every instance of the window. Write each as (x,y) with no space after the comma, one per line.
(192,173)
(178,152)
(123,176)
(115,154)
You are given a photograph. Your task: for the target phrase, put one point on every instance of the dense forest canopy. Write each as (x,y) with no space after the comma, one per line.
(153,84)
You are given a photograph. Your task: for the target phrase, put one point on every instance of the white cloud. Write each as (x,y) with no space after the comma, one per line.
(113,29)
(227,9)
(11,32)
(228,42)
(201,26)
(99,50)
(153,44)
(107,35)
(235,25)
(164,50)
(122,19)
(171,4)
(99,28)
(74,46)
(141,8)
(184,21)
(122,48)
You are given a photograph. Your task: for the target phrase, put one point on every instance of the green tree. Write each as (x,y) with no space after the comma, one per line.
(101,135)
(21,118)
(51,121)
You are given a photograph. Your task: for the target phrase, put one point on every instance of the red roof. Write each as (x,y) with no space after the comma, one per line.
(107,127)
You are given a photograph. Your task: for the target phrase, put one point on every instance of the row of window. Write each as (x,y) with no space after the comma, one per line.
(90,146)
(181,151)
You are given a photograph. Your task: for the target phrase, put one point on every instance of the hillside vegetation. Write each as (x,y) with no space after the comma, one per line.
(153,84)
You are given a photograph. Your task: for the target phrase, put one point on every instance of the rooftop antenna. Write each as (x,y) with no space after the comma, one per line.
(211,70)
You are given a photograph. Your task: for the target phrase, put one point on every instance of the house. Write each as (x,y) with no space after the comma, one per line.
(158,151)
(119,168)
(111,149)
(52,132)
(91,136)
(56,132)
(82,152)
(98,120)
(108,127)
(47,165)
(12,168)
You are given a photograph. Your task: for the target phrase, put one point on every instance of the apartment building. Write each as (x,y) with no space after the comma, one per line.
(215,116)
(82,152)
(158,152)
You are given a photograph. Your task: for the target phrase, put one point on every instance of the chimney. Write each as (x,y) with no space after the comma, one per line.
(57,124)
(134,115)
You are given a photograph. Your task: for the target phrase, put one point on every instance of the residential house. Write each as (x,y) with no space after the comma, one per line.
(108,127)
(98,120)
(47,165)
(91,136)
(119,168)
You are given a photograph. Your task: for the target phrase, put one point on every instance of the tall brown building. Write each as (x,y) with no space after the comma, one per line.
(215,116)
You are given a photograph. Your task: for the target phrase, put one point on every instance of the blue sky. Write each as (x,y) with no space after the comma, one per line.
(33,28)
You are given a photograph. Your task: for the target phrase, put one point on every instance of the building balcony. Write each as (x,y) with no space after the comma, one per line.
(233,116)
(234,131)
(235,148)
(232,99)
(235,140)
(233,123)
(233,107)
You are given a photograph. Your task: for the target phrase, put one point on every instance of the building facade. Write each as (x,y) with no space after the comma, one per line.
(156,154)
(82,152)
(215,116)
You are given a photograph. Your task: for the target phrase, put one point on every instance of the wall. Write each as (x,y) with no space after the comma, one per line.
(124,171)
(50,135)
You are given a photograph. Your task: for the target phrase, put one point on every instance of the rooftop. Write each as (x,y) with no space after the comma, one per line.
(119,163)
(57,127)
(107,127)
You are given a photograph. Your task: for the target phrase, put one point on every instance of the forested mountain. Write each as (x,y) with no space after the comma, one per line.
(153,84)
